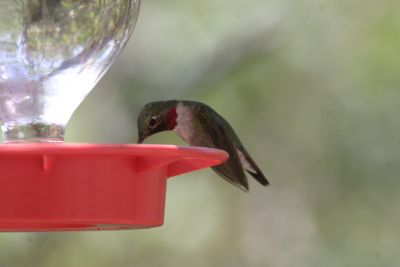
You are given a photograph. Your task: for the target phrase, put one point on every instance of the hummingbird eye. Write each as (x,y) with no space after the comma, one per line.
(152,122)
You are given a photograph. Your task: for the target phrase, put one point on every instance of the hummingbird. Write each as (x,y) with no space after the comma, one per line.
(199,125)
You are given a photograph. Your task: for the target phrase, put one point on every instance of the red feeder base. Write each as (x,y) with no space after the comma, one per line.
(73,187)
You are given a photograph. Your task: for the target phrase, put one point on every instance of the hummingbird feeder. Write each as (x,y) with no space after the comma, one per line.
(52,53)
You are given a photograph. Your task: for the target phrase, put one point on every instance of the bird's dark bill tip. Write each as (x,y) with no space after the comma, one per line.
(140,139)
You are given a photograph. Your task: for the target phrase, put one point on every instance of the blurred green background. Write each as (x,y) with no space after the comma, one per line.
(312,88)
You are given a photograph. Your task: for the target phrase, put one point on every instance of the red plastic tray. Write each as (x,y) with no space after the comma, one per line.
(64,187)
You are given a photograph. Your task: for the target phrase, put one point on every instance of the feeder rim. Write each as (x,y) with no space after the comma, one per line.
(110,149)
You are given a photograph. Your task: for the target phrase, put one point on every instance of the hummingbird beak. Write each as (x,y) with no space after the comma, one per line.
(140,139)
(142,136)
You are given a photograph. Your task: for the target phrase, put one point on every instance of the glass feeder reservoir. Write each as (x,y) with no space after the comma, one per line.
(52,53)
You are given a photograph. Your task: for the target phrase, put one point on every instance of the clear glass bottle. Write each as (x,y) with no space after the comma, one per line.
(52,53)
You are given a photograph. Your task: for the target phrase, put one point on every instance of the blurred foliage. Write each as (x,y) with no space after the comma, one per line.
(311,86)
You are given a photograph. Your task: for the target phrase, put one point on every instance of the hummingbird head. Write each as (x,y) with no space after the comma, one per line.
(156,117)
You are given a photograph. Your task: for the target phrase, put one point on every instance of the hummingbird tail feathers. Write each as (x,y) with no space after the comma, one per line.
(251,167)
(259,176)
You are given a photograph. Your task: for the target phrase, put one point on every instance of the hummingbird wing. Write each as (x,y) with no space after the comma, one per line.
(250,166)
(232,170)
(222,135)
